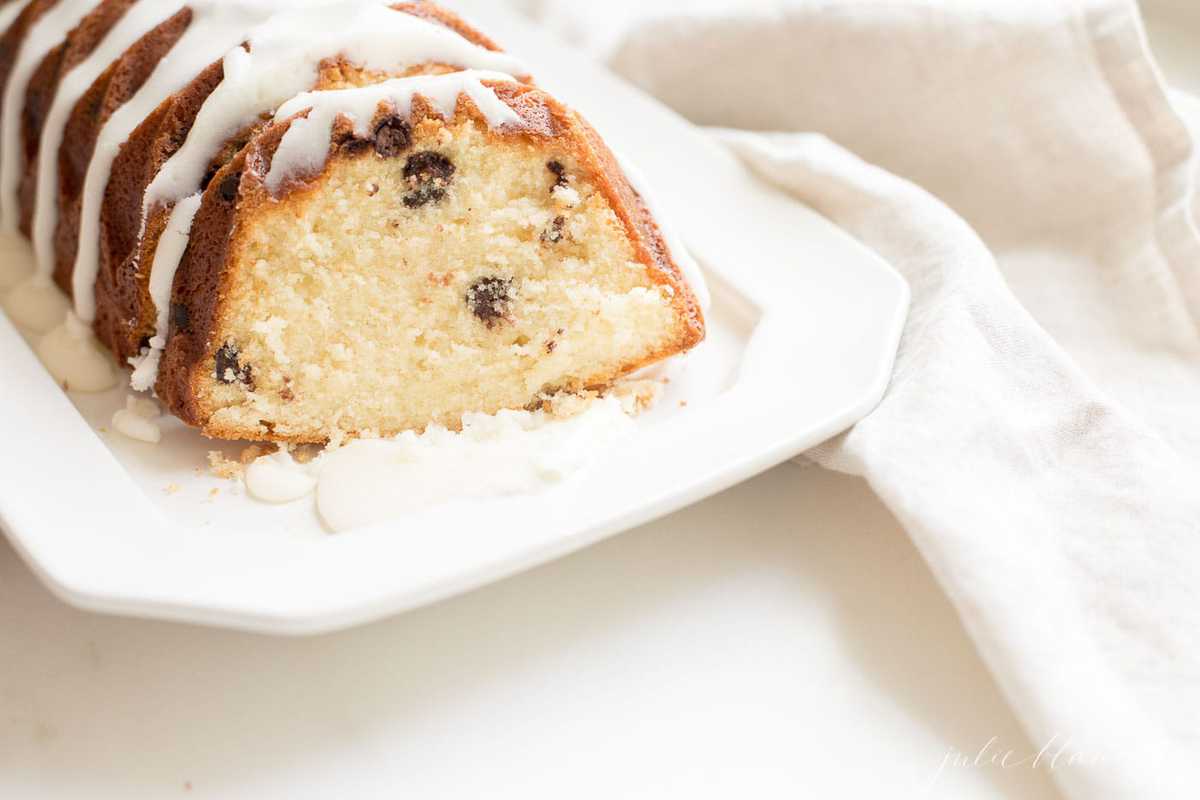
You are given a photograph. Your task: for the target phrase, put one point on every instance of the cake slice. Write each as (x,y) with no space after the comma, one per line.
(410,239)
(382,258)
(176,150)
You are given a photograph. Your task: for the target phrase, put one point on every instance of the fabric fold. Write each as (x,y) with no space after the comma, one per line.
(1021,163)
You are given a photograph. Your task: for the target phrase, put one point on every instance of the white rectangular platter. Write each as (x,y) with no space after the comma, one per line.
(802,335)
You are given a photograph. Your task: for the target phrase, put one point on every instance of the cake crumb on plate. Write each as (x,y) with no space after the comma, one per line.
(223,467)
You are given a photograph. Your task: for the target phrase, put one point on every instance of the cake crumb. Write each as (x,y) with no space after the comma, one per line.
(565,405)
(257,451)
(229,469)
(306,453)
(223,467)
(683,403)
(172,488)
(635,396)
(638,396)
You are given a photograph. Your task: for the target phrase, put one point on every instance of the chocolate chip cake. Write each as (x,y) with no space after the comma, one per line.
(302,220)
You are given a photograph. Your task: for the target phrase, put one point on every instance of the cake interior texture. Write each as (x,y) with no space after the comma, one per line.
(473,271)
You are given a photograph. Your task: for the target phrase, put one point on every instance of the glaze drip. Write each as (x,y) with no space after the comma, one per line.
(305,146)
(42,37)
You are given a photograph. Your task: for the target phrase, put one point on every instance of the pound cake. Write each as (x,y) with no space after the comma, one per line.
(302,220)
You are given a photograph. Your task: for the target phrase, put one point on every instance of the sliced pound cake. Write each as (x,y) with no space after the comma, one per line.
(302,220)
(386,257)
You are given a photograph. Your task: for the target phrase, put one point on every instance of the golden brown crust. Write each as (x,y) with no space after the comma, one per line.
(38,97)
(11,39)
(43,85)
(126,316)
(111,90)
(543,112)
(10,45)
(197,290)
(639,222)
(203,280)
(435,13)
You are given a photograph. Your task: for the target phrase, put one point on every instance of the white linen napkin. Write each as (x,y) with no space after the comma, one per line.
(1041,437)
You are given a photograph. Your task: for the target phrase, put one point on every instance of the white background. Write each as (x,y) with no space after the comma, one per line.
(783,639)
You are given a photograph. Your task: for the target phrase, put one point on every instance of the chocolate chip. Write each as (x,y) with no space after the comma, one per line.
(354,146)
(180,316)
(208,176)
(227,363)
(229,186)
(554,233)
(427,175)
(428,165)
(560,173)
(229,369)
(490,299)
(538,402)
(393,137)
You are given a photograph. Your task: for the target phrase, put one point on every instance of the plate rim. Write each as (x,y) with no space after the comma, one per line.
(83,590)
(317,622)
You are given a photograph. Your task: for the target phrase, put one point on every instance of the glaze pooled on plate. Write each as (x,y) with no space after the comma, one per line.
(369,481)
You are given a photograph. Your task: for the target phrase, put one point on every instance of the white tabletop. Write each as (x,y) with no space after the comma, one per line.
(783,639)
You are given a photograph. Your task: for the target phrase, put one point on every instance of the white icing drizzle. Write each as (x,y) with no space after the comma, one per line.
(138,420)
(76,360)
(48,31)
(280,478)
(510,453)
(9,13)
(162,275)
(305,146)
(36,304)
(283,60)
(137,21)
(216,27)
(16,260)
